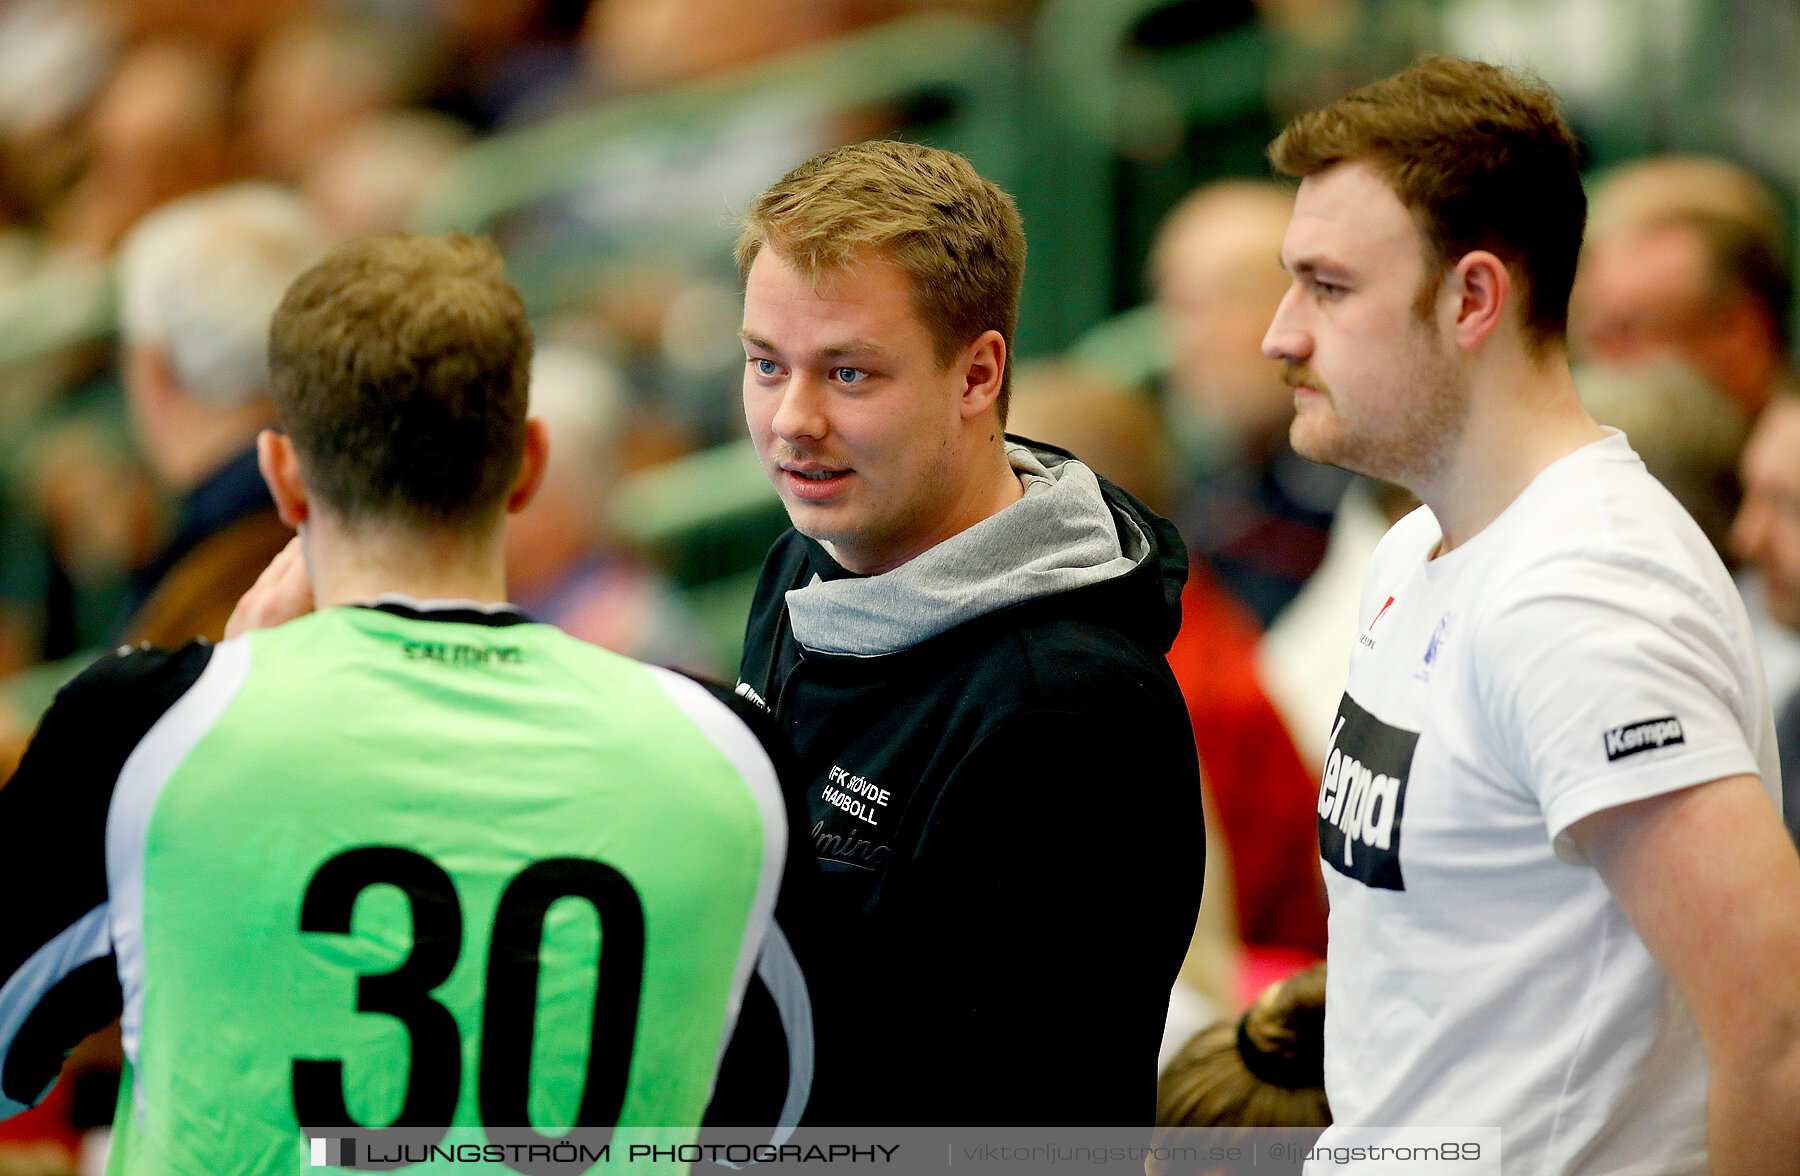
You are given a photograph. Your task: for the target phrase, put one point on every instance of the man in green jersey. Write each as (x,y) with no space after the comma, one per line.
(409,871)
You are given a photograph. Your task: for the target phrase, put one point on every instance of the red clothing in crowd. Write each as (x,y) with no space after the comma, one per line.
(1263,794)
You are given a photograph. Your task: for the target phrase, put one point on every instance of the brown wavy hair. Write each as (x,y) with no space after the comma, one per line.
(1481,157)
(399,366)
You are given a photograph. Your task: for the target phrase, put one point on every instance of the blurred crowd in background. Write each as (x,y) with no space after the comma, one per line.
(167,166)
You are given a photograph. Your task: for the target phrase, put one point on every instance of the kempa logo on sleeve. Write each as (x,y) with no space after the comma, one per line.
(1647,735)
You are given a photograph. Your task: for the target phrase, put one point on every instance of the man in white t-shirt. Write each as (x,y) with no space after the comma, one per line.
(1564,915)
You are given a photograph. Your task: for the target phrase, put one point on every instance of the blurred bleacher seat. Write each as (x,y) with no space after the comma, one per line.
(1098,114)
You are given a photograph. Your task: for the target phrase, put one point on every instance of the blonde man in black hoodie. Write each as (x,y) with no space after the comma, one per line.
(964,637)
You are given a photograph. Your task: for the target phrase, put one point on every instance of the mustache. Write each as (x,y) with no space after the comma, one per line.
(781,451)
(1295,375)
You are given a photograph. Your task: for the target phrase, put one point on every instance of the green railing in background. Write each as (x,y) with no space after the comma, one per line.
(970,63)
(1046,120)
(708,517)
(1053,118)
(56,309)
(1096,98)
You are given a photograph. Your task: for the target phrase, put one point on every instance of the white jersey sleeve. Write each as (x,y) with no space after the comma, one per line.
(1612,681)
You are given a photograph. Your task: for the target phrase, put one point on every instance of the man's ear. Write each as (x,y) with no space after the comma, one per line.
(1482,288)
(280,467)
(532,464)
(983,366)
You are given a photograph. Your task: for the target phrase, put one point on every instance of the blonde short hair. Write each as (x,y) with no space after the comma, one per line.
(926,212)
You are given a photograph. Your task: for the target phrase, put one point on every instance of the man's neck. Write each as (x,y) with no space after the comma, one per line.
(1523,416)
(355,567)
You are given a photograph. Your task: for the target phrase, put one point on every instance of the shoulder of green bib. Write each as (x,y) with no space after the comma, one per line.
(751,715)
(761,724)
(134,683)
(775,745)
(53,811)
(106,710)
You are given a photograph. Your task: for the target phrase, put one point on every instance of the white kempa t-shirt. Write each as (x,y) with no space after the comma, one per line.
(1585,650)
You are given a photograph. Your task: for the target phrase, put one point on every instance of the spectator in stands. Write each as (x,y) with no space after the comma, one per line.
(1643,189)
(506,61)
(55,57)
(1767,534)
(160,129)
(310,83)
(1703,272)
(102,518)
(227,29)
(371,178)
(1687,430)
(1263,792)
(199,281)
(640,44)
(1256,512)
(1114,429)
(565,567)
(1687,255)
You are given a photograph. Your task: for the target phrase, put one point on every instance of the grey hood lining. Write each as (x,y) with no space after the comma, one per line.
(1061,535)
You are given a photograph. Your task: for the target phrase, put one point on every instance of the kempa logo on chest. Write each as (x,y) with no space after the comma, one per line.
(1362,796)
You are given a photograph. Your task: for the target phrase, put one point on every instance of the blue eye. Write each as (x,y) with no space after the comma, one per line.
(767,368)
(849,375)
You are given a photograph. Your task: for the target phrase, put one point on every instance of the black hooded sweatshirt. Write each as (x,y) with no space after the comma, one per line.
(1002,790)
